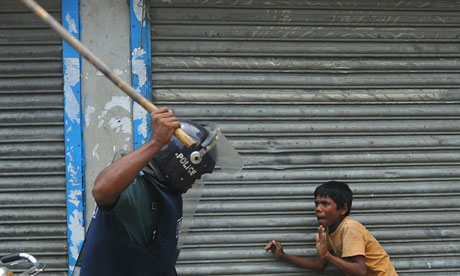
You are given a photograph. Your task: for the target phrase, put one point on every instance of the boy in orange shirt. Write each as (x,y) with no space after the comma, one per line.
(341,240)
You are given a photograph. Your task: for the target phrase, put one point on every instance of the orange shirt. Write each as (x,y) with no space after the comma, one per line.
(351,238)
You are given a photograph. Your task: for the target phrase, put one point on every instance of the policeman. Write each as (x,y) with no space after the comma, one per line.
(136,225)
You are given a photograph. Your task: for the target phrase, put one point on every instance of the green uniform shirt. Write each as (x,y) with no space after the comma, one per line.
(137,210)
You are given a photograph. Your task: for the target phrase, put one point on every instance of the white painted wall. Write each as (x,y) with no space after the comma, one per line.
(105,29)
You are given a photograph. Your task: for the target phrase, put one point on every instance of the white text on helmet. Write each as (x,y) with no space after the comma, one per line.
(186,164)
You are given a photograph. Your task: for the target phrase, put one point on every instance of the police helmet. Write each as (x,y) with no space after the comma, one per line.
(181,165)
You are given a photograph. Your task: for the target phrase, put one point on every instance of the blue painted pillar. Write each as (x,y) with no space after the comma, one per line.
(73,128)
(140,69)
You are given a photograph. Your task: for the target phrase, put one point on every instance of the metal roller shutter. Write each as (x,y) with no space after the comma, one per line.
(32,163)
(361,91)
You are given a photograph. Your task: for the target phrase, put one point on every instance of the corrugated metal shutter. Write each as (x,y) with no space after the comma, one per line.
(361,91)
(32,163)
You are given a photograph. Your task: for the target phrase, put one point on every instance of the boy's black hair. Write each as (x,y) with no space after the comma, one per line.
(337,191)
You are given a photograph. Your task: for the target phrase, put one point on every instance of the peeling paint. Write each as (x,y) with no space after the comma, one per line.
(121,124)
(138,66)
(68,155)
(73,179)
(137,9)
(74,149)
(75,222)
(140,71)
(141,115)
(72,26)
(95,155)
(100,123)
(119,71)
(71,78)
(88,112)
(75,197)
(118,101)
(115,102)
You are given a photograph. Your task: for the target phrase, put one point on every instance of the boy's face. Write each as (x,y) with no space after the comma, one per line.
(327,213)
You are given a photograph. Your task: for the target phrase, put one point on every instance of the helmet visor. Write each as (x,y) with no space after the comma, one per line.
(225,155)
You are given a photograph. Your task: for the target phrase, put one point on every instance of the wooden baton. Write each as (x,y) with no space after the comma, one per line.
(104,68)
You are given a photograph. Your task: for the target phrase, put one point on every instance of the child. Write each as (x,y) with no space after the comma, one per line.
(348,245)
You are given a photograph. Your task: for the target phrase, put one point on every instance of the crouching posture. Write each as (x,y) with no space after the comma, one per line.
(341,240)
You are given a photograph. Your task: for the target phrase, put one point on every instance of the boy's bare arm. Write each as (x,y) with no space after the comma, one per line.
(353,266)
(309,263)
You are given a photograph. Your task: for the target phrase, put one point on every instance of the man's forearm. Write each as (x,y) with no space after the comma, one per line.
(114,179)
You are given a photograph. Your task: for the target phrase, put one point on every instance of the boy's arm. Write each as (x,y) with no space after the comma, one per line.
(353,266)
(310,263)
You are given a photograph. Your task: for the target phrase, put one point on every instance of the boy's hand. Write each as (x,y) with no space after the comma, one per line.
(276,248)
(321,245)
(163,125)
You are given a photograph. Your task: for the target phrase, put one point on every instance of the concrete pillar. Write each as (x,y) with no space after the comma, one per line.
(105,29)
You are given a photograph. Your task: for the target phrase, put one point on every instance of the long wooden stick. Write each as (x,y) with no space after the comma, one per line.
(104,68)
